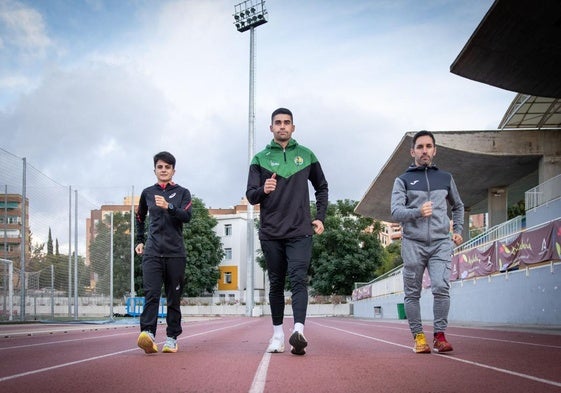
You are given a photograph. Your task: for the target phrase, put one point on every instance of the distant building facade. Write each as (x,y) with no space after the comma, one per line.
(232,230)
(389,232)
(98,215)
(11,230)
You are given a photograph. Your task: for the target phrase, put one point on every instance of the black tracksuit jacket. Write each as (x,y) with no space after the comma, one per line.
(165,232)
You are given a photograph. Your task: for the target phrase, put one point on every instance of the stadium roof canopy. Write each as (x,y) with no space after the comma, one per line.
(517,47)
(532,112)
(480,161)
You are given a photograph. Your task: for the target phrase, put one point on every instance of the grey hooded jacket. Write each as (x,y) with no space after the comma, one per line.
(418,185)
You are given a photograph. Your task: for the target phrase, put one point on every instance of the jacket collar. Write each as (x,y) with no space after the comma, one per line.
(274,145)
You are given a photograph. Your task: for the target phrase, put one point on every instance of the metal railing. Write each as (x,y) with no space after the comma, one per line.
(502,230)
(543,193)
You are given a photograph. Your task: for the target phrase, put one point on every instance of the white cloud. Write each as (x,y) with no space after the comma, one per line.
(357,77)
(24,29)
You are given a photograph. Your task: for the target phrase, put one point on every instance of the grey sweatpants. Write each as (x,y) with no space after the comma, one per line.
(436,257)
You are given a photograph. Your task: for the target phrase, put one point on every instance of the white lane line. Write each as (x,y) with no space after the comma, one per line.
(50,332)
(505,341)
(501,370)
(63,341)
(463,336)
(65,329)
(260,378)
(41,370)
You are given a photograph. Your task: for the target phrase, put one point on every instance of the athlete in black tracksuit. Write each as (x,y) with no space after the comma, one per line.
(278,181)
(169,207)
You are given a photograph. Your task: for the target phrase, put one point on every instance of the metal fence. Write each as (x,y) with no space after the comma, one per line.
(47,237)
(543,193)
(500,231)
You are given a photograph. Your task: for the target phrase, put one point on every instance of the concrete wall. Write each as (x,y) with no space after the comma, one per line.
(523,297)
(43,311)
(543,213)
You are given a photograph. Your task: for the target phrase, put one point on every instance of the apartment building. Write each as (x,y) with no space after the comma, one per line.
(389,233)
(232,230)
(11,235)
(98,215)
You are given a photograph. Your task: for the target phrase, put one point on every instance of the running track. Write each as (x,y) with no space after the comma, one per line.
(228,355)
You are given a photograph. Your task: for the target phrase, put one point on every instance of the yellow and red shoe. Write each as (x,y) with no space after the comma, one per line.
(440,344)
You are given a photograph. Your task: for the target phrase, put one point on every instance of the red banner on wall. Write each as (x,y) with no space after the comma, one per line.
(523,249)
(507,252)
(476,262)
(535,246)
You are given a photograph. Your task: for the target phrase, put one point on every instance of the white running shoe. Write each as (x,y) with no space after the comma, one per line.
(170,346)
(276,345)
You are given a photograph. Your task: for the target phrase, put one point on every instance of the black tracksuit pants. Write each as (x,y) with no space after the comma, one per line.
(290,256)
(171,273)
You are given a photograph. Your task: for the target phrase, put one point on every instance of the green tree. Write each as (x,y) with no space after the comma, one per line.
(518,209)
(100,257)
(392,258)
(347,252)
(60,270)
(50,243)
(204,251)
(58,275)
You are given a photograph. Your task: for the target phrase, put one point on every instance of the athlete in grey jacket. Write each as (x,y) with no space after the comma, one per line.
(420,199)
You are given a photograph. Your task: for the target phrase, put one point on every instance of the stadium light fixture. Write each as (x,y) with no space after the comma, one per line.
(251,13)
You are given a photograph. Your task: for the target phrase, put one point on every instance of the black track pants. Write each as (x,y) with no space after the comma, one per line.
(171,273)
(290,256)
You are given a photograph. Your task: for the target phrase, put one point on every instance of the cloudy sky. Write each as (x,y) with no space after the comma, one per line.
(91,89)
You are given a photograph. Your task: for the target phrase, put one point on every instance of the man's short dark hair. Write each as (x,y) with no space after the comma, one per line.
(282,111)
(422,133)
(166,157)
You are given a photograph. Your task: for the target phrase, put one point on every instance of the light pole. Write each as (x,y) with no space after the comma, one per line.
(247,16)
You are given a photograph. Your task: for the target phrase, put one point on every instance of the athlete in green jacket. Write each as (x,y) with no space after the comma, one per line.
(278,181)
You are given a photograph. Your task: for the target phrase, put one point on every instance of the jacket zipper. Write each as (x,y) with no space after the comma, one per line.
(428,194)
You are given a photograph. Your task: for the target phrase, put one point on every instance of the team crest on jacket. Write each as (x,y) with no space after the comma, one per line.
(298,160)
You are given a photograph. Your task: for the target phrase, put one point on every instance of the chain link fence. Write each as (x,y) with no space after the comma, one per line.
(59,258)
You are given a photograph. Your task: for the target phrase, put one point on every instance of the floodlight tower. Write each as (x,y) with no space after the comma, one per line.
(247,16)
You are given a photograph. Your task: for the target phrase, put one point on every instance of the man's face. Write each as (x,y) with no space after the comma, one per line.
(282,128)
(164,171)
(423,151)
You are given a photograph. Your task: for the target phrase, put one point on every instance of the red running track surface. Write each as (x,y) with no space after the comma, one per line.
(228,355)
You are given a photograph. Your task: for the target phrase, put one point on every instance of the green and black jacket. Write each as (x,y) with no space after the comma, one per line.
(285,212)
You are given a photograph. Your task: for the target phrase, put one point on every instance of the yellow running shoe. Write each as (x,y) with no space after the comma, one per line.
(146,341)
(421,345)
